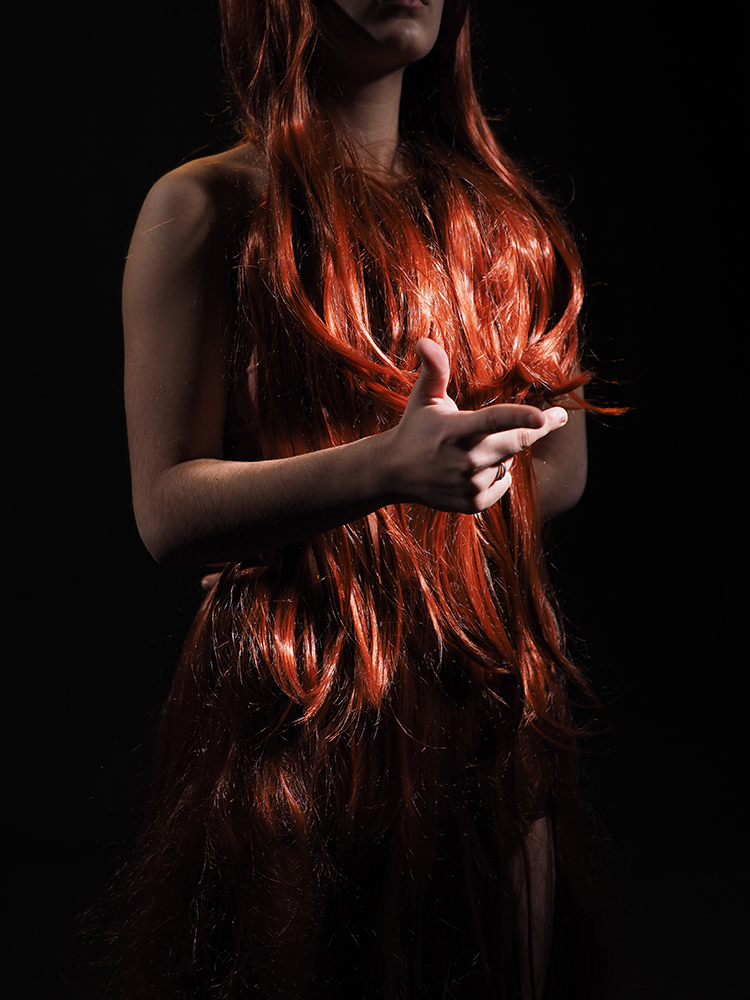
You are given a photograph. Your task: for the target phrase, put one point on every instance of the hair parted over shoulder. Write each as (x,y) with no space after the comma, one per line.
(354,693)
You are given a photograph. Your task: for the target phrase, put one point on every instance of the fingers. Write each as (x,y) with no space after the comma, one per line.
(491,453)
(497,487)
(432,385)
(486,450)
(434,374)
(448,459)
(504,417)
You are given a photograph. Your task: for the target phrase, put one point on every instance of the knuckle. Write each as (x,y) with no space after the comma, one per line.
(526,438)
(522,439)
(469,464)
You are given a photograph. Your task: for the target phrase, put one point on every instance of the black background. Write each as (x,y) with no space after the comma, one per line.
(630,118)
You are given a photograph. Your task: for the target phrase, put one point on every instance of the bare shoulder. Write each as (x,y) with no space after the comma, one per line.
(203,202)
(185,243)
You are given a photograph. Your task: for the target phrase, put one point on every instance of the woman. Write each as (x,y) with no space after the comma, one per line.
(347,342)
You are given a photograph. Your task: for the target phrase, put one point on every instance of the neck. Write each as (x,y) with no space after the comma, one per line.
(369,110)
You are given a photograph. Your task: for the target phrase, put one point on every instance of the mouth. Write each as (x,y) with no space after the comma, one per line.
(406,3)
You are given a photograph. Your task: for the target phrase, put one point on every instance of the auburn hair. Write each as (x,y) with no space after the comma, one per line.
(363,721)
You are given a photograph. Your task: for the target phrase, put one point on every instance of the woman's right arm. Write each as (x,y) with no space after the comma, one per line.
(192,506)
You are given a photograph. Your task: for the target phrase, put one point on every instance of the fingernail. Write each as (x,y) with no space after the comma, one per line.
(563,418)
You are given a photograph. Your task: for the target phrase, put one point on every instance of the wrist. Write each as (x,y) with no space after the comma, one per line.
(386,480)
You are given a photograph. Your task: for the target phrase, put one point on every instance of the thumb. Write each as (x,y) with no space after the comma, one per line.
(435,373)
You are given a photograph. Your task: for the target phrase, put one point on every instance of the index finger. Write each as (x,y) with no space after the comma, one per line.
(524,432)
(501,417)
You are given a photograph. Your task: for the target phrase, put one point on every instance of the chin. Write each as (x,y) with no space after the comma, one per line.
(372,37)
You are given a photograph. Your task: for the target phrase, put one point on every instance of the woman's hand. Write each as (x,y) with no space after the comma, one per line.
(458,460)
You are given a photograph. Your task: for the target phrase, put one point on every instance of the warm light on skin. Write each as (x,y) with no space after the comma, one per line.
(369,39)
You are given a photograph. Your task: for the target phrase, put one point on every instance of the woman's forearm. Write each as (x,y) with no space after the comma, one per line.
(202,510)
(211,511)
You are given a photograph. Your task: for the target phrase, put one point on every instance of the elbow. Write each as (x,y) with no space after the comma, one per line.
(163,535)
(560,463)
(157,539)
(559,504)
(561,494)
(571,494)
(171,522)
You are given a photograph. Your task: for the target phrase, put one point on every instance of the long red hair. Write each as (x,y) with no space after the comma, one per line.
(346,700)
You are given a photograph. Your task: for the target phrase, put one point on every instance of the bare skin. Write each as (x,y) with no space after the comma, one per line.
(366,47)
(533,877)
